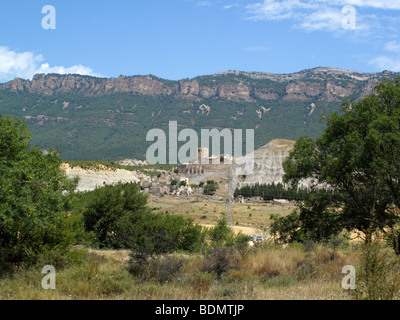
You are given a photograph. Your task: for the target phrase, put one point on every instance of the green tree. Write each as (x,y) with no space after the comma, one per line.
(119,218)
(358,157)
(111,211)
(312,221)
(210,188)
(160,234)
(221,235)
(35,196)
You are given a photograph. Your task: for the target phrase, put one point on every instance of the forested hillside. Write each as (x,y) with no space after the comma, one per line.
(88,118)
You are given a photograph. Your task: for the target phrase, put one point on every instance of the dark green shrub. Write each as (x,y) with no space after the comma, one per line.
(221,234)
(167,268)
(219,260)
(210,189)
(313,221)
(113,212)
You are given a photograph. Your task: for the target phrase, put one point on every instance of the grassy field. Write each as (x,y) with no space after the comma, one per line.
(265,272)
(208,211)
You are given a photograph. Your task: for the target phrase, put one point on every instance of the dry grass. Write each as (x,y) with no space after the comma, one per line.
(268,272)
(206,211)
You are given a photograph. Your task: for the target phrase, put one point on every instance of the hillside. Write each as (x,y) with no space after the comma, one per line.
(90,118)
(268,161)
(267,170)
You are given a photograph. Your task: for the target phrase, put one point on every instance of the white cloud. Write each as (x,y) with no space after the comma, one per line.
(230,6)
(393,46)
(329,19)
(277,10)
(313,15)
(389,61)
(204,4)
(375,4)
(77,69)
(258,49)
(26,64)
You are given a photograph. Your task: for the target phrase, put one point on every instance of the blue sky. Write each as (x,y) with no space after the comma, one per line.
(178,39)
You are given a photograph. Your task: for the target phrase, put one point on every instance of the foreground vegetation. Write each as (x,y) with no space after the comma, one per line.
(263,272)
(43,221)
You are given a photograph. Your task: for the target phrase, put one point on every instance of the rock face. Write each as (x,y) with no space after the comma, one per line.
(90,179)
(267,168)
(108,118)
(325,84)
(268,163)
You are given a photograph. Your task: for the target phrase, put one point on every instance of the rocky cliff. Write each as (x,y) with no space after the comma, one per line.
(267,167)
(89,179)
(268,163)
(89,118)
(325,84)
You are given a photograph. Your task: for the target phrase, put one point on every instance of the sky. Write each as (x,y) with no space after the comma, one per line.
(177,39)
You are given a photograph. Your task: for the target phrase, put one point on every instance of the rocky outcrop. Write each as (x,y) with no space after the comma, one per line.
(188,88)
(267,163)
(267,167)
(90,86)
(90,179)
(314,73)
(237,92)
(326,84)
(132,162)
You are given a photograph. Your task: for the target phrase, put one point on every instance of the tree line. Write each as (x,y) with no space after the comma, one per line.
(272,191)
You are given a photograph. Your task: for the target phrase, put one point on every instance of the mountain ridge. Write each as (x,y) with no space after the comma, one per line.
(194,88)
(90,118)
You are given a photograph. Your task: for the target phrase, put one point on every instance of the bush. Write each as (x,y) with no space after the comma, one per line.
(161,234)
(219,261)
(62,259)
(221,234)
(112,283)
(286,229)
(113,212)
(161,268)
(210,189)
(393,240)
(241,244)
(282,281)
(378,277)
(229,290)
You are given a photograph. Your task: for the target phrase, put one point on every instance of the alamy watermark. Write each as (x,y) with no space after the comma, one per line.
(49,281)
(194,153)
(349,21)
(349,281)
(49,20)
